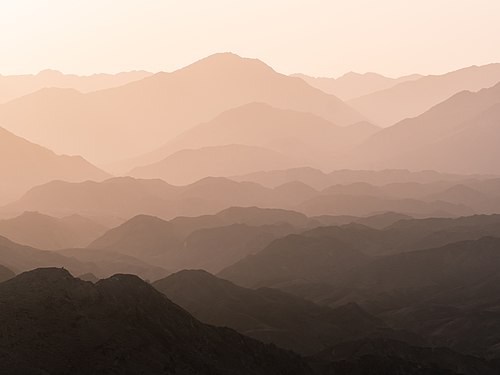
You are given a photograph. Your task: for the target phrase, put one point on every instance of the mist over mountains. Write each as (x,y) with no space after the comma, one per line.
(225,218)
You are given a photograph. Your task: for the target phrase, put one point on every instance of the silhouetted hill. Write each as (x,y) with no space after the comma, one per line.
(412,98)
(105,263)
(295,258)
(14,86)
(303,137)
(437,137)
(122,325)
(385,356)
(5,274)
(320,180)
(211,242)
(353,85)
(25,164)
(187,166)
(383,220)
(268,314)
(105,124)
(50,233)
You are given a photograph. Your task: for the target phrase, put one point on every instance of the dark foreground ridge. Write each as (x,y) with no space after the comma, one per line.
(53,323)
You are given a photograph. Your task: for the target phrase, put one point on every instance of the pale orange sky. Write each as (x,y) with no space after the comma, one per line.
(317,37)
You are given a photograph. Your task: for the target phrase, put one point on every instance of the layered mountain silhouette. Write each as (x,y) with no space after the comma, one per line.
(24,164)
(438,137)
(118,199)
(321,180)
(353,85)
(15,86)
(50,233)
(269,315)
(21,258)
(412,98)
(188,166)
(303,137)
(210,242)
(120,324)
(105,123)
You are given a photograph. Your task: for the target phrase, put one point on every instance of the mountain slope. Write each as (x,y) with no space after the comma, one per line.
(299,135)
(24,164)
(187,166)
(105,124)
(210,242)
(122,325)
(353,85)
(50,233)
(294,258)
(444,128)
(410,99)
(266,314)
(5,274)
(15,86)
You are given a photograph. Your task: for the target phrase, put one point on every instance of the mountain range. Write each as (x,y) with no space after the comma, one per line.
(24,164)
(105,123)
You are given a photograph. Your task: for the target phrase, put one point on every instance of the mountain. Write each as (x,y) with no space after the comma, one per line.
(24,164)
(122,325)
(437,137)
(364,205)
(105,124)
(5,274)
(294,258)
(299,135)
(188,166)
(51,233)
(412,98)
(353,85)
(267,314)
(386,356)
(21,258)
(15,86)
(383,220)
(105,263)
(319,180)
(210,242)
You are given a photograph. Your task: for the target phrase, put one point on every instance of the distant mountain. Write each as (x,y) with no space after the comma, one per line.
(24,164)
(437,137)
(122,325)
(383,220)
(412,98)
(21,258)
(5,274)
(268,314)
(353,85)
(364,205)
(50,233)
(105,124)
(12,87)
(208,242)
(302,136)
(105,263)
(398,358)
(294,258)
(321,180)
(188,166)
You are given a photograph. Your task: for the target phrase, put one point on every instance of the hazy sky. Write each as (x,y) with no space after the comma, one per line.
(317,37)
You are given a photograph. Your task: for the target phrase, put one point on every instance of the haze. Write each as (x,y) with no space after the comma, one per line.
(194,188)
(319,38)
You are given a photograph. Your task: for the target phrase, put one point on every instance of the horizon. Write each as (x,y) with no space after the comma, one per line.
(106,37)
